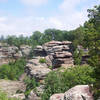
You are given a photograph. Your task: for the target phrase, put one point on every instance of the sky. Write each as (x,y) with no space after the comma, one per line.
(26,16)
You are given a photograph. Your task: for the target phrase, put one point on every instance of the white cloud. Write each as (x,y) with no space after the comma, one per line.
(25,26)
(68,17)
(34,2)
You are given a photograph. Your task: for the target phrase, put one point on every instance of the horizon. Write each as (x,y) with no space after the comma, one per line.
(26,16)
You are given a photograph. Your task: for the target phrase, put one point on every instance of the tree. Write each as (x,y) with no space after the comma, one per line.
(92,37)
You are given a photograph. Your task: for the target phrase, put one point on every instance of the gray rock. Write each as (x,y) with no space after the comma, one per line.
(79,92)
(57,53)
(37,70)
(25,49)
(59,96)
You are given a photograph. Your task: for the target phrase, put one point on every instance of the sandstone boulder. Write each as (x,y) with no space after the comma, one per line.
(59,96)
(79,92)
(36,69)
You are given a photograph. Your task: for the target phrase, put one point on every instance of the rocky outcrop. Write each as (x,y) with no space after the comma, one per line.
(57,53)
(80,92)
(36,69)
(39,51)
(8,53)
(59,96)
(12,87)
(11,53)
(25,49)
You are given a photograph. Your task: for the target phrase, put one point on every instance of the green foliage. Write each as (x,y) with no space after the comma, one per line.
(13,70)
(59,82)
(30,85)
(3,96)
(51,67)
(77,55)
(42,60)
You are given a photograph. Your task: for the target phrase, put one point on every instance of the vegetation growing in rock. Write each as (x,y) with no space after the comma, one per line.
(59,82)
(42,60)
(31,84)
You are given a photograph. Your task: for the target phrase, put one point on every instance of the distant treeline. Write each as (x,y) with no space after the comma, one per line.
(39,38)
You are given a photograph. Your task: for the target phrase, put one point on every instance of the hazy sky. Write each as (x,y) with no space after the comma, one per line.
(25,16)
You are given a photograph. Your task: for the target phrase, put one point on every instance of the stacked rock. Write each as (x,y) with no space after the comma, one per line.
(57,53)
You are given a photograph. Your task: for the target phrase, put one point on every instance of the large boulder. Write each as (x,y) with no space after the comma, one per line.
(36,69)
(79,92)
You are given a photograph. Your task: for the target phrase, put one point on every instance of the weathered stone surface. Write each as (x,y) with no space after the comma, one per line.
(58,53)
(39,51)
(8,53)
(11,87)
(37,70)
(79,92)
(59,96)
(18,96)
(25,49)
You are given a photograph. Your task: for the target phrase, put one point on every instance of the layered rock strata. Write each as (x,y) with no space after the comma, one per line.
(57,53)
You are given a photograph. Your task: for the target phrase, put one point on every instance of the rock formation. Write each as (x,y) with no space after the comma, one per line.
(80,92)
(11,88)
(25,49)
(37,70)
(57,53)
(10,53)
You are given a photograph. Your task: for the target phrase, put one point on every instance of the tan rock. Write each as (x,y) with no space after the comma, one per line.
(59,96)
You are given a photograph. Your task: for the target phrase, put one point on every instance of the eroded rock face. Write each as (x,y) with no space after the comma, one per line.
(37,70)
(57,53)
(8,53)
(11,87)
(59,96)
(25,49)
(80,92)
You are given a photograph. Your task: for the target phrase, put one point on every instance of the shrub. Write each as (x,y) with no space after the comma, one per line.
(59,82)
(77,55)
(42,60)
(13,70)
(30,85)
